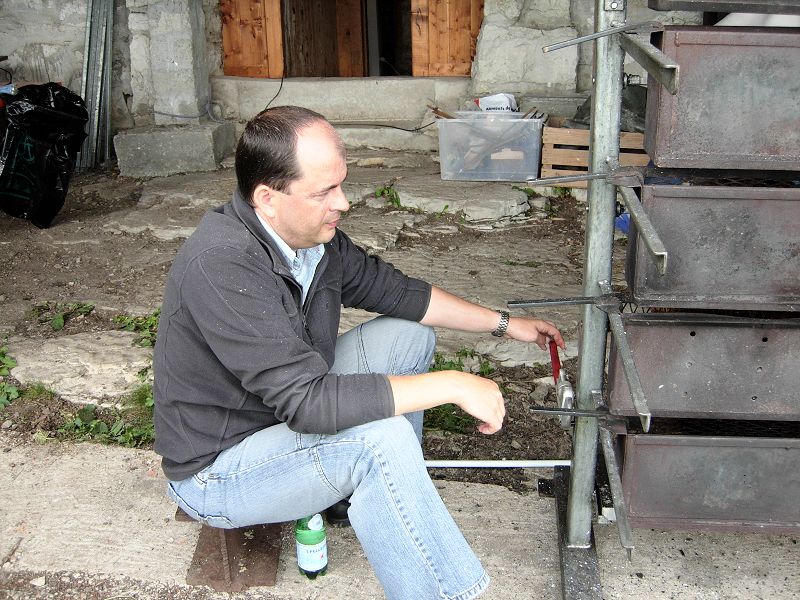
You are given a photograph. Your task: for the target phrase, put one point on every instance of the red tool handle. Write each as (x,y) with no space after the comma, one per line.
(555,360)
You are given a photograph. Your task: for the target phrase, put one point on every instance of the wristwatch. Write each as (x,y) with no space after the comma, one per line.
(502,325)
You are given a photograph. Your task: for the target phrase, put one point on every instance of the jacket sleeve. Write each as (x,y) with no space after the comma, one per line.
(372,284)
(246,321)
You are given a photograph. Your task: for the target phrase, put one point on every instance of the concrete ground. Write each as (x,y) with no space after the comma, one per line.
(91,521)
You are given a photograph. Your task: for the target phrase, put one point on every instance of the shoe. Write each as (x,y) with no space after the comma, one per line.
(337,514)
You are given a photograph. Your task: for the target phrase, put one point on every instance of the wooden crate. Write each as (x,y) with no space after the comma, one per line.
(566,152)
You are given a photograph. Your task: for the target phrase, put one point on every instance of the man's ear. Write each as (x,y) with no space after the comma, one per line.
(264,199)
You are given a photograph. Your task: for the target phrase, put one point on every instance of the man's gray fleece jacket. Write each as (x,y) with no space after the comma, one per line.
(236,352)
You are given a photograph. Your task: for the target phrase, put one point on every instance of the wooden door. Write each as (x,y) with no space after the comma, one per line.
(444,35)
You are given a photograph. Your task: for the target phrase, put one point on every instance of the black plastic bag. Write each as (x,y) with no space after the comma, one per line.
(43,129)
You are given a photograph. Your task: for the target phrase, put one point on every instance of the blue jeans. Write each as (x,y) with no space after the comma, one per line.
(277,475)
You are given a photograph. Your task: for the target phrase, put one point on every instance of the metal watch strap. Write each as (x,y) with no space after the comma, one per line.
(502,325)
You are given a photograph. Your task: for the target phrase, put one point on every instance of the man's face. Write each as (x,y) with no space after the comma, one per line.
(309,211)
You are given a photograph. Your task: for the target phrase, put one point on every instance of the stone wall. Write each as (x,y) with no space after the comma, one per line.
(509,55)
(44,41)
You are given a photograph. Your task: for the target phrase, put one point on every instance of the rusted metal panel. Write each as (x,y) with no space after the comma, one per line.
(710,367)
(750,6)
(738,102)
(717,483)
(731,248)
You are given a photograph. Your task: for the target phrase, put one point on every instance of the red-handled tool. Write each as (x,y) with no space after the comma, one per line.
(555,360)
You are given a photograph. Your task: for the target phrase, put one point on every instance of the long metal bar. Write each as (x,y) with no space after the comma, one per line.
(498,464)
(645,228)
(628,365)
(665,70)
(604,147)
(642,27)
(615,482)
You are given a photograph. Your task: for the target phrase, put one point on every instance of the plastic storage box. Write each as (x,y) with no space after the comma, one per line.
(481,146)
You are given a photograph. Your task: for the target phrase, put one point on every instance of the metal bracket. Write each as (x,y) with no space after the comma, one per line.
(615,481)
(646,27)
(645,228)
(609,302)
(606,418)
(665,70)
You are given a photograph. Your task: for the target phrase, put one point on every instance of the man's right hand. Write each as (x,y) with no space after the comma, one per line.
(475,395)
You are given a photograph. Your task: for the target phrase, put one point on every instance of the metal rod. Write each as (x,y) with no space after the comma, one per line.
(565,178)
(645,228)
(648,26)
(628,365)
(558,301)
(665,70)
(604,145)
(498,464)
(615,482)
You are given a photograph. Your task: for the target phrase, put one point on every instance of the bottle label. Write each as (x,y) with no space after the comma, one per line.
(312,557)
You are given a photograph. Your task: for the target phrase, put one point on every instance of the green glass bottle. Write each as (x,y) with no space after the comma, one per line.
(312,546)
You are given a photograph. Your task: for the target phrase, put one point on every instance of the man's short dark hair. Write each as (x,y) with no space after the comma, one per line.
(267,150)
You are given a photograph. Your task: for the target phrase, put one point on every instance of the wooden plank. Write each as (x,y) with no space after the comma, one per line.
(459,33)
(420,58)
(580,137)
(273,31)
(243,44)
(350,37)
(438,50)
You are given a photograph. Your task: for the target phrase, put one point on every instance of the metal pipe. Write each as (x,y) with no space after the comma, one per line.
(498,464)
(604,146)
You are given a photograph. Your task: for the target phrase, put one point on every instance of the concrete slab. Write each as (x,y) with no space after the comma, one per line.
(87,526)
(161,151)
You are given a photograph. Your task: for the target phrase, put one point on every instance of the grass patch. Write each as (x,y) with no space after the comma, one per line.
(146,327)
(8,392)
(131,427)
(449,417)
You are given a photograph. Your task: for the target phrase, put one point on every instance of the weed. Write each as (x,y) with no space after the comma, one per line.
(388,192)
(8,392)
(146,327)
(562,192)
(58,313)
(440,363)
(448,417)
(529,192)
(485,367)
(132,427)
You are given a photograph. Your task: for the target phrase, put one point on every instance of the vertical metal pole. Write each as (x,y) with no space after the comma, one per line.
(604,140)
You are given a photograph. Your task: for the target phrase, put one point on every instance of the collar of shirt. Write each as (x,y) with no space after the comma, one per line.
(302,263)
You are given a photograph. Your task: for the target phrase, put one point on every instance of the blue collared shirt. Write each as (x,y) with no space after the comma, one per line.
(302,263)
